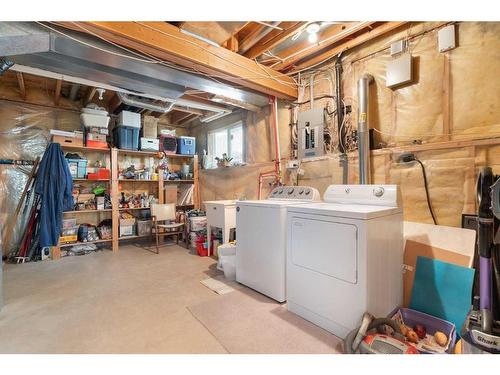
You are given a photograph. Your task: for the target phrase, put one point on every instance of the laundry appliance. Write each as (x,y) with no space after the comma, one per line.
(261,244)
(345,256)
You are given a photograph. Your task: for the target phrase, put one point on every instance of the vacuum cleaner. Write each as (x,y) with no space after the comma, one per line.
(481,330)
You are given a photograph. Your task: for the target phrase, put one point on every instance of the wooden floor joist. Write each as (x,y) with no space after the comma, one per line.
(166,42)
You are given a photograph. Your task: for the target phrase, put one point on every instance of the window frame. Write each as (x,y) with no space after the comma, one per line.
(227,129)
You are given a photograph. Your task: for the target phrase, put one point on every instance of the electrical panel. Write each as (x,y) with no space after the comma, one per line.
(397,47)
(310,133)
(399,71)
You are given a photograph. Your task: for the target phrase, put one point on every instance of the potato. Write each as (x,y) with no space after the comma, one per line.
(440,338)
(404,329)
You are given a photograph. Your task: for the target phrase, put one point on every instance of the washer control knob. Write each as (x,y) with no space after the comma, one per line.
(308,192)
(301,192)
(378,191)
(290,192)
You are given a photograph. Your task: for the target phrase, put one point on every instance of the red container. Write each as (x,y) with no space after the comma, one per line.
(96,144)
(103,174)
(200,248)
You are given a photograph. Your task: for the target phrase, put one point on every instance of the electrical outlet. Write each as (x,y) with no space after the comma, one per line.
(292,164)
(348,109)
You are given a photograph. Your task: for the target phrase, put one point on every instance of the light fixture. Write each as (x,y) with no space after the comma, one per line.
(312,29)
(101,93)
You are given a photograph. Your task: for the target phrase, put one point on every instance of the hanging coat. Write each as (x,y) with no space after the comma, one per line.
(54,184)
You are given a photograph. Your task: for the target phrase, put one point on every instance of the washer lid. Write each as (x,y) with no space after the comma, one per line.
(351,211)
(271,203)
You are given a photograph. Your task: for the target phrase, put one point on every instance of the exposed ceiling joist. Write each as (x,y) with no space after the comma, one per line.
(22,87)
(274,38)
(374,33)
(326,38)
(165,41)
(251,37)
(57,94)
(89,95)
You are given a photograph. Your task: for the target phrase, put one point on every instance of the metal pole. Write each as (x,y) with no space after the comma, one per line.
(363,129)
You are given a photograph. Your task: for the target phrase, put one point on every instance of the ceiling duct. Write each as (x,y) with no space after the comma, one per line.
(145,103)
(82,56)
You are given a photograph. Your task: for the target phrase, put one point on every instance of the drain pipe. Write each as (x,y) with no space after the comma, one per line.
(363,129)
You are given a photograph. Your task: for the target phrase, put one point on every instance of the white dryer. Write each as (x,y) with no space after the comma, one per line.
(345,256)
(261,239)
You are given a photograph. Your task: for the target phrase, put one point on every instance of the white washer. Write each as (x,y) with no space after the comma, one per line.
(345,256)
(261,239)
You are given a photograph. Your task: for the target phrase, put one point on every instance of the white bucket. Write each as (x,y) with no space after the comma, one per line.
(229,266)
(225,250)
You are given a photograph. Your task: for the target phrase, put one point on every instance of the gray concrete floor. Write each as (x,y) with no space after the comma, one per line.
(130,302)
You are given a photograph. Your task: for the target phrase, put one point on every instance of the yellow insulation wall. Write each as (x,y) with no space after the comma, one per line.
(454,96)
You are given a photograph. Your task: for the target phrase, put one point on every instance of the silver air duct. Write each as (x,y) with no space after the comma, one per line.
(363,129)
(126,99)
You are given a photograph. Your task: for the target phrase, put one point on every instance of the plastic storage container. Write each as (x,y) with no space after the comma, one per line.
(150,144)
(229,266)
(197,223)
(130,119)
(126,137)
(77,167)
(432,324)
(127,227)
(143,227)
(168,143)
(186,145)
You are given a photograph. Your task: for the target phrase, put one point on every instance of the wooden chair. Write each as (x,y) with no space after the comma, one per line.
(163,216)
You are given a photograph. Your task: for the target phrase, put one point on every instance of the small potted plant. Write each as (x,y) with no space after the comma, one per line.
(224,161)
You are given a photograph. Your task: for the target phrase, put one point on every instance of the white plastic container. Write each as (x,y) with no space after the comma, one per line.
(150,144)
(225,250)
(127,118)
(91,120)
(229,266)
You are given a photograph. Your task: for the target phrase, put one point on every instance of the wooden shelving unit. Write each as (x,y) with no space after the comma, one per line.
(114,182)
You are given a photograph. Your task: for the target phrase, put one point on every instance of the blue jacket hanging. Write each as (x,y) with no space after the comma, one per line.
(54,184)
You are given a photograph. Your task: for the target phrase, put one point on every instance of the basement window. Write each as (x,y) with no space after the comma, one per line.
(228,140)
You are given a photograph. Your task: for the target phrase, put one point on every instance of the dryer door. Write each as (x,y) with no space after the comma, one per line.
(326,247)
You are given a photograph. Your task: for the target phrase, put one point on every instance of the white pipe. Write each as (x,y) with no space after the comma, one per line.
(363,129)
(311,90)
(277,135)
(141,104)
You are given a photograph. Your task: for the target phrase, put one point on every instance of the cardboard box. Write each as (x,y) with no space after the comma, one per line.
(100,203)
(68,141)
(171,194)
(150,127)
(96,137)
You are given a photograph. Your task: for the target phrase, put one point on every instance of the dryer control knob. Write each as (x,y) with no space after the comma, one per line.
(290,192)
(378,191)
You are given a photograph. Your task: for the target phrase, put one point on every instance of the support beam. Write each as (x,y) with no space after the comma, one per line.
(22,87)
(166,42)
(57,94)
(232,44)
(114,103)
(252,37)
(274,38)
(326,38)
(89,95)
(372,34)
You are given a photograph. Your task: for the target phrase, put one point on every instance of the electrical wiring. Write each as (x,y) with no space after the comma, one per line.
(315,98)
(415,136)
(427,191)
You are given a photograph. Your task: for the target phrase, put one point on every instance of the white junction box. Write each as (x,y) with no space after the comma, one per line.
(397,47)
(399,71)
(446,38)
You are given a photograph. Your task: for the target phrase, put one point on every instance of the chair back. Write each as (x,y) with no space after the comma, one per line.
(163,211)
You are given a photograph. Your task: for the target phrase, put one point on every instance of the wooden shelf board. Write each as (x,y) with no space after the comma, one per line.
(83,148)
(138,153)
(87,211)
(134,208)
(179,181)
(86,179)
(179,156)
(84,243)
(184,205)
(133,237)
(135,180)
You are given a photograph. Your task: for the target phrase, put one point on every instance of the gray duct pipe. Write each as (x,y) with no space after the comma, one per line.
(363,129)
(144,104)
(75,87)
